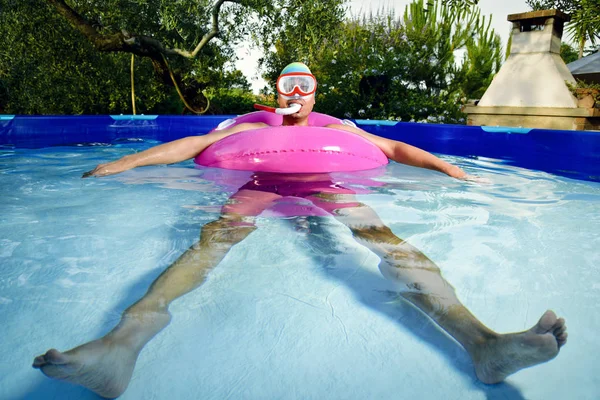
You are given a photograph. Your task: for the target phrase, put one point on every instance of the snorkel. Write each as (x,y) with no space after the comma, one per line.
(295,82)
(291,109)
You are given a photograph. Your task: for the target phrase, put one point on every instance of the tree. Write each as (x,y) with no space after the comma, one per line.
(55,69)
(482,60)
(384,67)
(301,34)
(191,41)
(585,23)
(585,18)
(158,30)
(77,58)
(568,53)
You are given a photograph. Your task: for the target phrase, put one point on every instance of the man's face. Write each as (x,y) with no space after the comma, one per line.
(307,103)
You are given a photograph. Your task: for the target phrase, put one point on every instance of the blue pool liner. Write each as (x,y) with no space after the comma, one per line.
(569,153)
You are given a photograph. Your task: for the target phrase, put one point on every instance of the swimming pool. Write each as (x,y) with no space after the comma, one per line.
(289,314)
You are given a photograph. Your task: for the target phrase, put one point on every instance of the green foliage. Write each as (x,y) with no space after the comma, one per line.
(566,6)
(585,23)
(47,67)
(583,85)
(231,101)
(483,59)
(582,89)
(234,97)
(52,70)
(381,67)
(384,67)
(456,4)
(298,32)
(508,46)
(568,53)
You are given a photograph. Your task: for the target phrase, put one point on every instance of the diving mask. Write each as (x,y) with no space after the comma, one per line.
(296,83)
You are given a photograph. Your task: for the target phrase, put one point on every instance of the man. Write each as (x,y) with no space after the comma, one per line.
(106,365)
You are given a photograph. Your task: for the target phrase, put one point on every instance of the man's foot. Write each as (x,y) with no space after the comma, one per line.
(101,366)
(509,353)
(105,365)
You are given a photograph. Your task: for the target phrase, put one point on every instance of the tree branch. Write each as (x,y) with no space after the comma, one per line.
(141,45)
(111,42)
(145,46)
(208,36)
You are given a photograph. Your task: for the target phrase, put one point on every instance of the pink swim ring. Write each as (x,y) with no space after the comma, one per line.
(291,149)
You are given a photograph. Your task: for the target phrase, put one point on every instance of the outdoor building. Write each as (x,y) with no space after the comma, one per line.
(530,90)
(586,69)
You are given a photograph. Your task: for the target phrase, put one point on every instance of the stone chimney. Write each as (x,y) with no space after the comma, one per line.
(530,90)
(534,74)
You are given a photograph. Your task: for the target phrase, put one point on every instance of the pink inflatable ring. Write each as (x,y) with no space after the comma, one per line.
(291,149)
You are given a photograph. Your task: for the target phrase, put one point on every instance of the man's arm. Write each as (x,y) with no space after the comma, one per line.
(169,153)
(405,153)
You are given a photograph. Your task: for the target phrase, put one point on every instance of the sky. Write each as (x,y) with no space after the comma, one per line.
(248,58)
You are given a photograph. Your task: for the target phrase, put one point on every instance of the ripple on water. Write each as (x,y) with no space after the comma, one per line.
(513,244)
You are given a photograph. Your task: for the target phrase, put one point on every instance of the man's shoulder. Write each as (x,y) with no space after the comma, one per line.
(343,122)
(252,125)
(343,126)
(241,127)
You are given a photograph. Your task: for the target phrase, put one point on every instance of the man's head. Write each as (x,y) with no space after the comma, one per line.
(296,84)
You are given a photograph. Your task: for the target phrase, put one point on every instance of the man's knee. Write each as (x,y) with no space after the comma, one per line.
(228,229)
(407,259)
(376,234)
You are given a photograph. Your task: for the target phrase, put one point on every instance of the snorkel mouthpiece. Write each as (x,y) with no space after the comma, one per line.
(292,109)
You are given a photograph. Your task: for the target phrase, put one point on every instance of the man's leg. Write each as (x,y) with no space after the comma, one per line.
(494,355)
(105,365)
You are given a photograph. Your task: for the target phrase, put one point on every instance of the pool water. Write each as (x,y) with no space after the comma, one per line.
(290,314)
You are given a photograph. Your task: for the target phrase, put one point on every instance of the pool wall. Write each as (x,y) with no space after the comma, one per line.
(575,154)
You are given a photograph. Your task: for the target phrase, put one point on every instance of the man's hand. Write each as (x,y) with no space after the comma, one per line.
(458,173)
(110,168)
(476,179)
(453,171)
